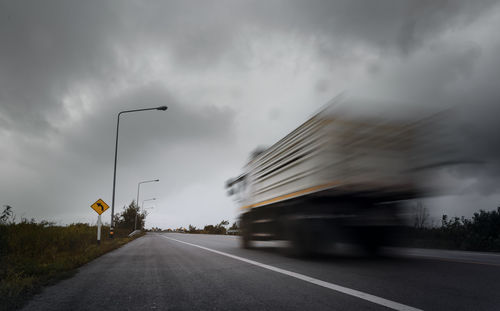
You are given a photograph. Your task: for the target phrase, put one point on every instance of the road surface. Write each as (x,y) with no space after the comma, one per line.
(202,272)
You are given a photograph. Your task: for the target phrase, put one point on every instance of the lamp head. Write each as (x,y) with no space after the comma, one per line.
(163,108)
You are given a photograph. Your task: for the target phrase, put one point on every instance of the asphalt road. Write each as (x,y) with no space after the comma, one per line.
(202,272)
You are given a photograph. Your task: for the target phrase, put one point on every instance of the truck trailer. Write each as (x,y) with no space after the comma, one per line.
(338,177)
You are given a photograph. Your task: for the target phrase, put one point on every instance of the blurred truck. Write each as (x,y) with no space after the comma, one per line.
(338,177)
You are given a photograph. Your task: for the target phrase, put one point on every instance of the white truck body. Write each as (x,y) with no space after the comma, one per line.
(336,175)
(336,154)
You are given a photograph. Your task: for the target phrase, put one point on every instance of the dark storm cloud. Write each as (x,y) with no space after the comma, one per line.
(46,48)
(338,27)
(75,165)
(477,127)
(458,77)
(181,124)
(53,52)
(49,47)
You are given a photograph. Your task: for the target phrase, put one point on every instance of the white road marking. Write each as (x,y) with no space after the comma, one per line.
(348,291)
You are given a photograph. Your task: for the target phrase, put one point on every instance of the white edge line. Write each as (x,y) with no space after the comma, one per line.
(345,290)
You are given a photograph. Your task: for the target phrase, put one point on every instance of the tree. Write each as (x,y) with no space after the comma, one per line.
(210,229)
(192,229)
(7,215)
(421,216)
(126,219)
(217,229)
(234,226)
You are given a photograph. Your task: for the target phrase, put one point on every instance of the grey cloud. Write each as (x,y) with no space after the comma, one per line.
(182,124)
(46,48)
(381,25)
(49,47)
(458,79)
(73,166)
(477,129)
(53,49)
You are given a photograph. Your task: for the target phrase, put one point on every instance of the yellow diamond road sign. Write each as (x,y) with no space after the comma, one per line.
(100,206)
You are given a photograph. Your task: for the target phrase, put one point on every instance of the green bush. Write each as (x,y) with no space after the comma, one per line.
(481,233)
(210,229)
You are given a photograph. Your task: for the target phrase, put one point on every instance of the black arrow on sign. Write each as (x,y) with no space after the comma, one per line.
(102,207)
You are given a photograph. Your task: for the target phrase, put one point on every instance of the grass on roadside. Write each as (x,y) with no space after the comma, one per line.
(36,254)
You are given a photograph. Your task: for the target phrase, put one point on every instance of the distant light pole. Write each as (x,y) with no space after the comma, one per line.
(146,201)
(152,199)
(137,202)
(112,227)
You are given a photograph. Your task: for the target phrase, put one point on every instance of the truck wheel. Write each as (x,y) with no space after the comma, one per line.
(371,242)
(246,236)
(298,240)
(246,242)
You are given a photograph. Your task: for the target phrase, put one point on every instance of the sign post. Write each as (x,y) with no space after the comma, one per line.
(100,207)
(99,224)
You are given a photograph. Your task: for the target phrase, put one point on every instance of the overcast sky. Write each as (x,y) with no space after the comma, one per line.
(235,75)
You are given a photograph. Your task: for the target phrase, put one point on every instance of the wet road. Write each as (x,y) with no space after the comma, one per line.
(202,272)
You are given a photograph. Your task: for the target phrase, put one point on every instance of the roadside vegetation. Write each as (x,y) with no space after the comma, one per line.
(34,254)
(219,228)
(480,233)
(126,219)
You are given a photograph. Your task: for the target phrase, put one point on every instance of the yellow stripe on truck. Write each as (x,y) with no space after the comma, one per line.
(294,194)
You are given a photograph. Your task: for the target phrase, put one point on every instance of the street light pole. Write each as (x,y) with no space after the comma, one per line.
(152,199)
(143,209)
(112,226)
(137,202)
